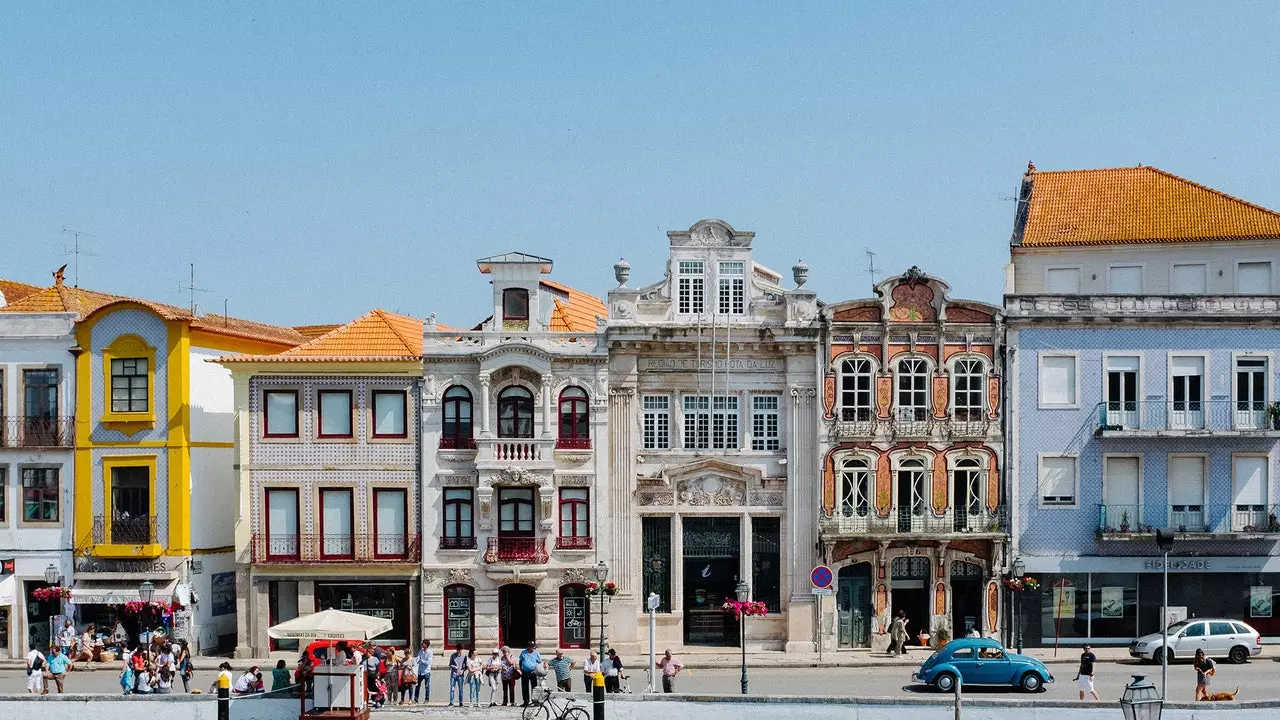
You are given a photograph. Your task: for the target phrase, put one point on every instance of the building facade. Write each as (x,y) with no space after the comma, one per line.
(914,513)
(328,448)
(1144,320)
(713,414)
(515,475)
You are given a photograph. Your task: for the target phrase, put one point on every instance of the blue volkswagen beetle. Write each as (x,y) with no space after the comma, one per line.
(981,661)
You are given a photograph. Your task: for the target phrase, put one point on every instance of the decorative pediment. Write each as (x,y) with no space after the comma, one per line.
(517,477)
(750,476)
(712,490)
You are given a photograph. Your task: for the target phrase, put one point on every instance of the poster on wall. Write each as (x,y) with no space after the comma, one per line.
(1064,602)
(573,623)
(1260,601)
(458,624)
(1113,602)
(223,593)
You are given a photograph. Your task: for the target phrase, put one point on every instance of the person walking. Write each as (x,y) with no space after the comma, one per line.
(423,663)
(612,672)
(510,671)
(530,661)
(35,671)
(457,676)
(1084,676)
(1205,670)
(898,634)
(67,638)
(493,676)
(475,670)
(670,666)
(185,667)
(590,669)
(59,662)
(561,666)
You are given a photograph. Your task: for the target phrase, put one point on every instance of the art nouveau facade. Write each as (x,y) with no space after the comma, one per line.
(515,475)
(713,445)
(913,502)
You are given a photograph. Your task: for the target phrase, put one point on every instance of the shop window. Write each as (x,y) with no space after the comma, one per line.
(655,533)
(390,414)
(575,617)
(766,562)
(458,529)
(515,413)
(40,495)
(334,413)
(575,425)
(281,410)
(459,613)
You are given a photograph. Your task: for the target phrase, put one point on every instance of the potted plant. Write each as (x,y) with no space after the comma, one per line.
(1124,521)
(1273,414)
(941,634)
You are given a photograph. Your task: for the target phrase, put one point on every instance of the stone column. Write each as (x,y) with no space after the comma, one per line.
(306,597)
(546,405)
(546,603)
(745,557)
(677,566)
(484,405)
(244,621)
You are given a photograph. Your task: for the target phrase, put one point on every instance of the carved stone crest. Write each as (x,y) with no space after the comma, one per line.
(516,476)
(709,234)
(712,490)
(765,497)
(655,498)
(574,576)
(573,480)
(458,576)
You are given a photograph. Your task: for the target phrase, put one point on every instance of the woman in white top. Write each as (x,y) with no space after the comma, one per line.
(475,670)
(143,683)
(35,671)
(164,681)
(589,670)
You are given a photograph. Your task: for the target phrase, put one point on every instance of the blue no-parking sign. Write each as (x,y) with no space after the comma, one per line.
(821,577)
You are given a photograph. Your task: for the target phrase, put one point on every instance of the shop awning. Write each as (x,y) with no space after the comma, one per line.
(101,592)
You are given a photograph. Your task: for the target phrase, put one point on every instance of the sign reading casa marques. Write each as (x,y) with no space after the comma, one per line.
(719,364)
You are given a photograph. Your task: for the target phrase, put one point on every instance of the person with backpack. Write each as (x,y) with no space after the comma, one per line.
(35,671)
(1205,670)
(185,667)
(457,676)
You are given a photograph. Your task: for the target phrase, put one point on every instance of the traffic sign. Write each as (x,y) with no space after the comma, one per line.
(821,577)
(823,591)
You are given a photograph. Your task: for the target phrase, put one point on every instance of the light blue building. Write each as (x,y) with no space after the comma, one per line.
(1143,326)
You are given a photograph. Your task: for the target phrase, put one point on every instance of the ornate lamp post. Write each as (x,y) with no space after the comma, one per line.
(602,574)
(146,591)
(744,592)
(1140,700)
(51,574)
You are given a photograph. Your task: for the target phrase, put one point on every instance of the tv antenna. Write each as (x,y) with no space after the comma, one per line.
(191,288)
(872,270)
(76,252)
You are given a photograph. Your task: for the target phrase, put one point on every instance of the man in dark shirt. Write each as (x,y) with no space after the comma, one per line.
(1084,678)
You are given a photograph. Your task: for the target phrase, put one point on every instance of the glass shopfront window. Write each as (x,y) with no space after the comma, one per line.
(1248,597)
(1062,607)
(385,600)
(1113,609)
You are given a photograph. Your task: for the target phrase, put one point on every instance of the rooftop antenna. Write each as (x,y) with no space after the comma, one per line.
(872,270)
(191,288)
(76,252)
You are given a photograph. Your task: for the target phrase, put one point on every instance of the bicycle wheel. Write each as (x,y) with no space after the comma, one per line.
(574,713)
(537,710)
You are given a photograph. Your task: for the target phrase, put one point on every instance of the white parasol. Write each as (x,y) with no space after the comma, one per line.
(330,625)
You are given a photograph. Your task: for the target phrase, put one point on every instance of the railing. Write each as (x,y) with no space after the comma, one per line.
(38,432)
(856,422)
(531,550)
(902,521)
(457,443)
(521,450)
(567,542)
(139,530)
(369,548)
(458,543)
(1182,417)
(913,422)
(968,423)
(1126,519)
(573,443)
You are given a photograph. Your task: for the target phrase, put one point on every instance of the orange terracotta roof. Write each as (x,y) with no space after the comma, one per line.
(1134,205)
(62,298)
(375,336)
(311,332)
(575,311)
(15,291)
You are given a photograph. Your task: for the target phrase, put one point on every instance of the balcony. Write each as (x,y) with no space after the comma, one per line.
(38,432)
(139,530)
(318,549)
(458,543)
(967,423)
(516,550)
(1184,418)
(457,443)
(855,423)
(508,452)
(902,521)
(565,542)
(1124,522)
(913,422)
(573,443)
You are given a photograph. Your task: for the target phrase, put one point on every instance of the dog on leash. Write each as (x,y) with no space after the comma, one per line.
(1221,696)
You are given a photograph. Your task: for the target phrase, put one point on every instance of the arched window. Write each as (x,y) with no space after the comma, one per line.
(457,431)
(515,413)
(966,489)
(967,379)
(913,390)
(855,390)
(459,611)
(575,419)
(855,488)
(911,495)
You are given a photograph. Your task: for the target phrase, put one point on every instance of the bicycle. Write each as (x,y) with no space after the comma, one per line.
(544,706)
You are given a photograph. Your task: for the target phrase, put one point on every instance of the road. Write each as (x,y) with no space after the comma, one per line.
(1258,680)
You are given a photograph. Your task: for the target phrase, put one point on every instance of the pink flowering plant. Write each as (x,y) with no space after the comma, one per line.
(51,593)
(609,589)
(748,608)
(1022,583)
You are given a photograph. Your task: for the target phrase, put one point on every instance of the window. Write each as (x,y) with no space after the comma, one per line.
(1124,280)
(282,523)
(655,534)
(855,488)
(131,506)
(335,413)
(1188,392)
(129,385)
(515,413)
(1121,491)
(390,411)
(40,495)
(962,653)
(911,495)
(1057,480)
(1186,493)
(459,613)
(764,422)
(913,390)
(336,540)
(515,512)
(1249,485)
(575,527)
(575,425)
(1253,278)
(690,288)
(1057,381)
(458,430)
(968,377)
(390,522)
(4,494)
(710,422)
(1188,279)
(458,531)
(966,482)
(657,422)
(1220,628)
(40,393)
(732,288)
(1122,391)
(855,390)
(281,408)
(515,304)
(1194,630)
(1062,281)
(1251,392)
(766,562)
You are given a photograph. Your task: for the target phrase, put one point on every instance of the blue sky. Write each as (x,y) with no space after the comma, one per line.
(315,162)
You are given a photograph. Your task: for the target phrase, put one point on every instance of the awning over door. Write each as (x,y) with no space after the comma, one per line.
(117,592)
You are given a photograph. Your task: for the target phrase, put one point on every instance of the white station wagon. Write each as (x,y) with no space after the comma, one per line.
(1218,637)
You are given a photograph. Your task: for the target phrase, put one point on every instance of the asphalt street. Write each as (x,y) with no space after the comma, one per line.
(1257,679)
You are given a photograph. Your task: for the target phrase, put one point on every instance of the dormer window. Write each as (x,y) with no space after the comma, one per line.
(731,299)
(515,305)
(691,287)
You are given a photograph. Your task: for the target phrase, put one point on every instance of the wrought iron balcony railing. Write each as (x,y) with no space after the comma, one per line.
(568,542)
(864,520)
(306,549)
(1123,520)
(573,443)
(38,432)
(503,550)
(139,530)
(457,443)
(458,543)
(1177,418)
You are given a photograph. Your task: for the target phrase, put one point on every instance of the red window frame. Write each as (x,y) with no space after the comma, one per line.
(471,616)
(352,524)
(515,292)
(565,643)
(575,414)
(520,400)
(463,433)
(579,511)
(404,414)
(469,503)
(351,414)
(266,523)
(517,498)
(405,524)
(266,414)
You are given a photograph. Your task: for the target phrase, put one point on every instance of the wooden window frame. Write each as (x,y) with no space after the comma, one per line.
(266,522)
(57,491)
(575,432)
(351,415)
(516,418)
(405,524)
(458,438)
(447,502)
(352,508)
(373,415)
(266,414)
(581,510)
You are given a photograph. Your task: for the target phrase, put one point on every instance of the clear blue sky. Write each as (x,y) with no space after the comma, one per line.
(316,164)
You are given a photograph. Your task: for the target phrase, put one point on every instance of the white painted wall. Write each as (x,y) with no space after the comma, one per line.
(209,626)
(213,498)
(212,401)
(1029,264)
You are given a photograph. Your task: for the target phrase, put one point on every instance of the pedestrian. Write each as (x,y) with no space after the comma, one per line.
(561,666)
(1205,670)
(670,666)
(119,638)
(126,677)
(164,681)
(1084,676)
(280,678)
(35,671)
(493,676)
(372,667)
(166,659)
(185,667)
(85,651)
(59,662)
(530,661)
(475,671)
(612,672)
(457,676)
(423,661)
(304,673)
(67,637)
(224,673)
(247,683)
(510,671)
(898,634)
(142,681)
(590,669)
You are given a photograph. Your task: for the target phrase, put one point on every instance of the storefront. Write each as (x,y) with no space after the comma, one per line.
(388,600)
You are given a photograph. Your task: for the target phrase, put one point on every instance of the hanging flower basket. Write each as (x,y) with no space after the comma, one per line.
(749,608)
(51,593)
(1022,583)
(609,589)
(135,607)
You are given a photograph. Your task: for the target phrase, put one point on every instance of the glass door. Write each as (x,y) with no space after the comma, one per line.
(1188,393)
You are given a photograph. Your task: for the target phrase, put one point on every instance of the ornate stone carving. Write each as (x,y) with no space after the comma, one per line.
(766,497)
(993,396)
(458,576)
(623,310)
(939,486)
(884,395)
(516,477)
(712,490)
(912,302)
(574,576)
(940,390)
(709,235)
(574,480)
(457,480)
(655,498)
(624,392)
(1130,305)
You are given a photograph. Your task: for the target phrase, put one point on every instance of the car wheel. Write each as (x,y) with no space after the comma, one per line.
(1031,682)
(1239,654)
(945,682)
(1155,657)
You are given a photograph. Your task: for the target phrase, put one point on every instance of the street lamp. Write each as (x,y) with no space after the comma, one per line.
(744,591)
(146,591)
(1164,541)
(602,574)
(51,574)
(1140,700)
(1019,570)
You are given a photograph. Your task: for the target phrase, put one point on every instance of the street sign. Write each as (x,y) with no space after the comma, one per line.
(653,601)
(823,591)
(821,577)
